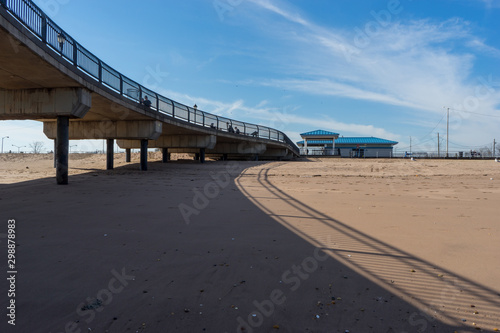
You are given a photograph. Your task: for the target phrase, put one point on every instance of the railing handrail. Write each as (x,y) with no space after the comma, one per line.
(38,23)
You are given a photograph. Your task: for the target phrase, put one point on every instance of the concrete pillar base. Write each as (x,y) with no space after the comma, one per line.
(110,143)
(165,155)
(202,155)
(62,150)
(144,154)
(128,155)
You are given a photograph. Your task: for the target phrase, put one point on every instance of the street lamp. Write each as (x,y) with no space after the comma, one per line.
(18,148)
(5,137)
(61,39)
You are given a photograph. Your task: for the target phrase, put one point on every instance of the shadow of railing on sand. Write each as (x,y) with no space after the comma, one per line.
(439,293)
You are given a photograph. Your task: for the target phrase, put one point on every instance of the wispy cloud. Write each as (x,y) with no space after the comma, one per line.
(419,64)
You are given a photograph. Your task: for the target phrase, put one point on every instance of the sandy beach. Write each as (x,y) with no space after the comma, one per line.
(317,245)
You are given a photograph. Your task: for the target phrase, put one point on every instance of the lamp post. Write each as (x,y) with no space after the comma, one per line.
(5,137)
(61,39)
(18,148)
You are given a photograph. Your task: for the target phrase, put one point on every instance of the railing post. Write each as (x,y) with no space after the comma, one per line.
(140,93)
(217,117)
(44,28)
(157,103)
(244,129)
(100,70)
(203,114)
(121,84)
(75,53)
(173,108)
(189,114)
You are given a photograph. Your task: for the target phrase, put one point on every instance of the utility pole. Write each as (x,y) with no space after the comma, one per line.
(447,129)
(439,155)
(494,146)
(410,145)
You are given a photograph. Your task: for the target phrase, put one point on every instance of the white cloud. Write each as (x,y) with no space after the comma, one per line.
(282,119)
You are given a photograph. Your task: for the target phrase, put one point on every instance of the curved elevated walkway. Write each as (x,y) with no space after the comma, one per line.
(46,75)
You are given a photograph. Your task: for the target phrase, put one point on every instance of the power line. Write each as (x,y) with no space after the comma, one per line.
(476,113)
(475,146)
(444,114)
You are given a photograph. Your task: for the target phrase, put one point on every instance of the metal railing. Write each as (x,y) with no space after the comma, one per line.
(36,21)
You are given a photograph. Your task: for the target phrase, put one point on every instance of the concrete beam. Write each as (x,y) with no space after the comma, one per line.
(44,103)
(243,148)
(174,141)
(225,149)
(275,152)
(123,129)
(186,141)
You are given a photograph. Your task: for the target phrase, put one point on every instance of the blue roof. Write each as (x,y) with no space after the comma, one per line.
(351,141)
(316,142)
(318,133)
(364,141)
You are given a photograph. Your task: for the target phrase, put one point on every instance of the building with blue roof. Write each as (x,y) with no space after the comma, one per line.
(321,142)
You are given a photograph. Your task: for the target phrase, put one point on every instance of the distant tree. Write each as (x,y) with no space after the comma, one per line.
(485,152)
(36,147)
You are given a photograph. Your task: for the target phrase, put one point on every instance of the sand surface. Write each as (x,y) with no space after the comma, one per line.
(319,245)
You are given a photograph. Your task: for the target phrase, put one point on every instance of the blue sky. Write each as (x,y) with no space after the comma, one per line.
(358,68)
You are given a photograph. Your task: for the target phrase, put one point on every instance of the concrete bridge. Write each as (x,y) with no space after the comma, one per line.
(48,76)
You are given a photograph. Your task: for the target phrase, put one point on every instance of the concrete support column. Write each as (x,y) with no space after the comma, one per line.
(127,155)
(110,145)
(144,154)
(62,148)
(202,155)
(165,157)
